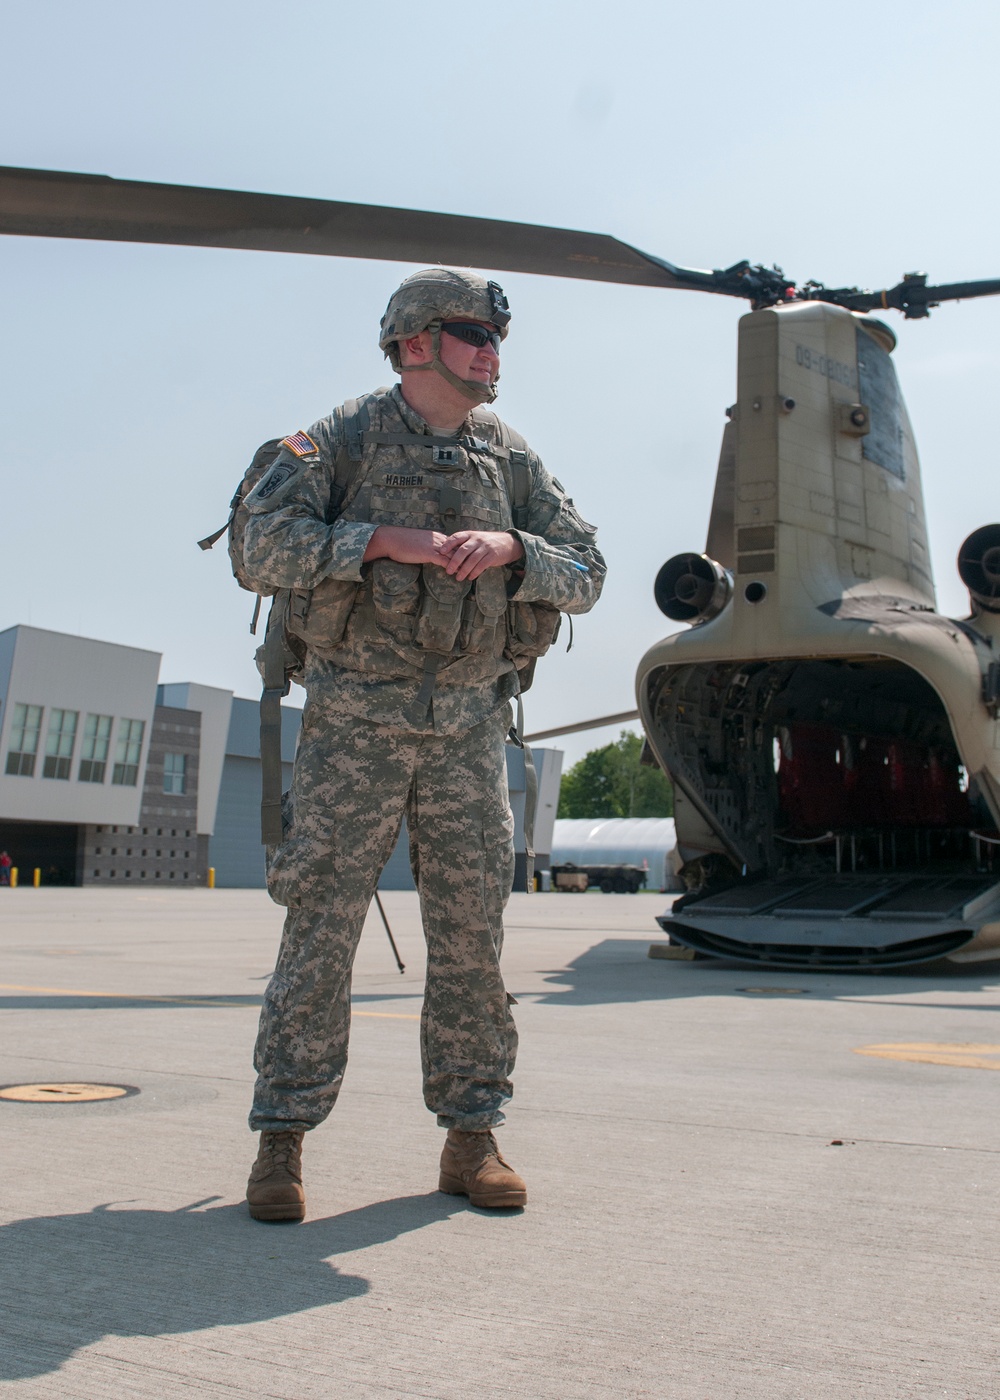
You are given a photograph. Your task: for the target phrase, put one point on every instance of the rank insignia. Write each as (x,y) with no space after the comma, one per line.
(300,443)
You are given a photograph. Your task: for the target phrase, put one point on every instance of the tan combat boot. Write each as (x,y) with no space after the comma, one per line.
(471,1165)
(274,1191)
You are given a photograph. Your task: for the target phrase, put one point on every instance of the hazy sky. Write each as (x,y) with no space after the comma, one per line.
(848,142)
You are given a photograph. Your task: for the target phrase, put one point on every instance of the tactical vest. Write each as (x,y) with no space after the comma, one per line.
(404,618)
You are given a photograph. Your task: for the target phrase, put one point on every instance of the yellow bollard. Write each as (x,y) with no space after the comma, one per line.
(36,879)
(13,877)
(211,877)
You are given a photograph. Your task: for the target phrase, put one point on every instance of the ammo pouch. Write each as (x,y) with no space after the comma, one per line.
(483,615)
(396,594)
(440,615)
(317,617)
(531,629)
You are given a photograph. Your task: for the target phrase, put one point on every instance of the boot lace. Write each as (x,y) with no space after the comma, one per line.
(279,1150)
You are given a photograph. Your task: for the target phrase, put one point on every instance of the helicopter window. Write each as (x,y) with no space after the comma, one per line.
(880,394)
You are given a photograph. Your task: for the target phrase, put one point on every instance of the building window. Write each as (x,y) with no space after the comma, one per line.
(24,734)
(126,770)
(94,750)
(59,743)
(174,765)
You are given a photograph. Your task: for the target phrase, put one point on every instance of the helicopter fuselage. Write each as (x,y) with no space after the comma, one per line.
(832,739)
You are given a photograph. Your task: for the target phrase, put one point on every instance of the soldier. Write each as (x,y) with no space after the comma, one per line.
(429,555)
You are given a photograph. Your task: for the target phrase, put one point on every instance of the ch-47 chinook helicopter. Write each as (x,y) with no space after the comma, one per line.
(834,742)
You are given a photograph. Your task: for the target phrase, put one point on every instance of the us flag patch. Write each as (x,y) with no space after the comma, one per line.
(300,443)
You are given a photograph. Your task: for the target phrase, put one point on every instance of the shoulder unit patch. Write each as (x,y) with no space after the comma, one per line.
(300,443)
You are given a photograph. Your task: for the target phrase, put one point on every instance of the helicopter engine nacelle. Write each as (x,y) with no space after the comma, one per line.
(979,567)
(692,588)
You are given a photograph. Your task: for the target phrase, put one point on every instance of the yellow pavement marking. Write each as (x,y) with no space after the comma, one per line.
(932,1053)
(61,1093)
(181,1001)
(774,991)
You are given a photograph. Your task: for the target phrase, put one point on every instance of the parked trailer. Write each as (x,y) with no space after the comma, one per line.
(612,879)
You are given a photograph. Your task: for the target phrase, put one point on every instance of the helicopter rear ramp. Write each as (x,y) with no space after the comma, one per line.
(882,920)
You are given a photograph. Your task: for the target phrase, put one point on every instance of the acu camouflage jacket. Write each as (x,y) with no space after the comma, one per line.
(375,631)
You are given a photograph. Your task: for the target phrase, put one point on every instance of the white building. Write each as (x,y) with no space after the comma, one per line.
(642,841)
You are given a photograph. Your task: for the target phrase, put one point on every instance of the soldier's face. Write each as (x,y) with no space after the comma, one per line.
(481,364)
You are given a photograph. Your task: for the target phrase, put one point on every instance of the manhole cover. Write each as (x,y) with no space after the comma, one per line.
(775,991)
(932,1053)
(65,1093)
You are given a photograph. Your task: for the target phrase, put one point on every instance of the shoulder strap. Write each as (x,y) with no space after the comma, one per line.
(356,419)
(514,455)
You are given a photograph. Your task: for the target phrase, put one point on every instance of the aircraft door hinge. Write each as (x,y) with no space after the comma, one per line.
(991,688)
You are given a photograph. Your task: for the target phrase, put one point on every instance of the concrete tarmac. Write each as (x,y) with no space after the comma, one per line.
(726,1200)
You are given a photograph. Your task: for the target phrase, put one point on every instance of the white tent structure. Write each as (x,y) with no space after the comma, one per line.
(616,841)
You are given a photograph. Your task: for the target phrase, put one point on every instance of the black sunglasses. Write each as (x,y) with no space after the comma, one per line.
(472,333)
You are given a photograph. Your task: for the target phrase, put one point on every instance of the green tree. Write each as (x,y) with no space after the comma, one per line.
(611,782)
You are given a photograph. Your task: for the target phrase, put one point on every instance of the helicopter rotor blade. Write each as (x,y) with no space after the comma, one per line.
(623,717)
(56,204)
(912,295)
(61,204)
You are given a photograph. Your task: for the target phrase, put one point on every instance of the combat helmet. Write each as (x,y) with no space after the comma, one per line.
(427,298)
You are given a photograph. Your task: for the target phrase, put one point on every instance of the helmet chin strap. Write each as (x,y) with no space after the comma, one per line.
(472,389)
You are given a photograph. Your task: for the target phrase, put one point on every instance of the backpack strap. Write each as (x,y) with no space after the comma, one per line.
(521,489)
(276,659)
(355,423)
(515,735)
(274,669)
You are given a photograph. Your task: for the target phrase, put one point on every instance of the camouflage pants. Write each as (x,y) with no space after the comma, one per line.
(352,783)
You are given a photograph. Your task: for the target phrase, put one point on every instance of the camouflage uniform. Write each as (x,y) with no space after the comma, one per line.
(409,676)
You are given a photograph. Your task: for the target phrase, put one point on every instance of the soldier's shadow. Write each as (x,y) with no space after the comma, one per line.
(69,1280)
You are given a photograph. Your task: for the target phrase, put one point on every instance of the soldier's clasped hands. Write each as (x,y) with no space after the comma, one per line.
(465,554)
(468,553)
